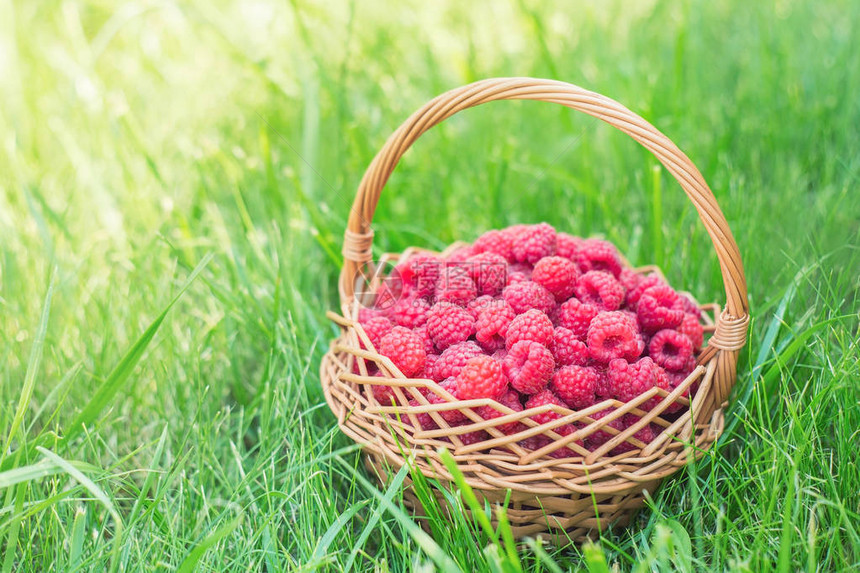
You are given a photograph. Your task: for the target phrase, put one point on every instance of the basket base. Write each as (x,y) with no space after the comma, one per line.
(559,520)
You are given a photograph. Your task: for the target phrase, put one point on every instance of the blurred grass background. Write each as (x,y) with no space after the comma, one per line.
(139,139)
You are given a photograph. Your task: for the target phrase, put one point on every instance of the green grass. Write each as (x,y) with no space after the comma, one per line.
(174,184)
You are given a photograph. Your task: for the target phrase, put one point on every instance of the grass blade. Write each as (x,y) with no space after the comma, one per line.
(118,376)
(190,562)
(98,493)
(32,368)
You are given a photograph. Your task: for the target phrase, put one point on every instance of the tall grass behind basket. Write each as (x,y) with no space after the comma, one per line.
(564,499)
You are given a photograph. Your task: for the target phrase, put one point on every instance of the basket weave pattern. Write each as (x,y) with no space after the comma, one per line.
(568,497)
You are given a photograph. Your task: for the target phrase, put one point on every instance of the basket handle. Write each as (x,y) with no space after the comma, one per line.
(358,238)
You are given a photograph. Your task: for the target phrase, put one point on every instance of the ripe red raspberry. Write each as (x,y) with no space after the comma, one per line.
(458,256)
(645,434)
(678,376)
(454,415)
(613,335)
(533,243)
(376,328)
(453,359)
(384,394)
(567,349)
(516,277)
(557,275)
(480,303)
(690,307)
(387,295)
(531,325)
(576,316)
(492,325)
(598,255)
(542,399)
(526,295)
(693,329)
(600,289)
(405,349)
(449,324)
(510,399)
(576,385)
(410,312)
(496,242)
(659,307)
(634,294)
(456,286)
(488,271)
(429,347)
(429,366)
(567,245)
(425,421)
(470,438)
(482,377)
(670,349)
(627,381)
(600,437)
(419,274)
(528,366)
(629,279)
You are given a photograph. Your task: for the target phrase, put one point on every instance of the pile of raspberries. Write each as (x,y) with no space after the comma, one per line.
(528,316)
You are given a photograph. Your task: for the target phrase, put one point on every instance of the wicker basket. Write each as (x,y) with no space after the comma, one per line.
(563,499)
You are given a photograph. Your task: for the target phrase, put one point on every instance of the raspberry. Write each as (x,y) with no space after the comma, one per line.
(527,295)
(613,335)
(576,385)
(458,256)
(690,307)
(405,349)
(600,289)
(600,437)
(533,243)
(429,347)
(410,312)
(456,286)
(659,307)
(420,273)
(567,245)
(496,242)
(482,377)
(547,397)
(488,271)
(454,358)
(597,255)
(678,376)
(510,399)
(387,295)
(516,277)
(634,294)
(557,275)
(448,324)
(470,438)
(376,328)
(670,349)
(528,366)
(691,327)
(629,279)
(567,348)
(451,416)
(645,435)
(430,365)
(576,316)
(492,325)
(384,394)
(531,325)
(425,421)
(479,304)
(627,381)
